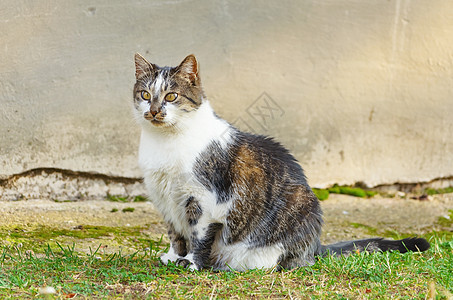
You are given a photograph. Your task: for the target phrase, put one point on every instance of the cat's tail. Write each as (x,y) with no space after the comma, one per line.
(375,245)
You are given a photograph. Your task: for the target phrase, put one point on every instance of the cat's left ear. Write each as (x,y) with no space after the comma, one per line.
(188,69)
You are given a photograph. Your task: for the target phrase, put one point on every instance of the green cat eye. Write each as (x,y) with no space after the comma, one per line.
(145,95)
(171,97)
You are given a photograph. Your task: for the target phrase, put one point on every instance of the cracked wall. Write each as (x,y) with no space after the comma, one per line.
(361,90)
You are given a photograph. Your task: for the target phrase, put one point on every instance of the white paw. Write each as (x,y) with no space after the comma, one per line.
(187,262)
(193,267)
(170,256)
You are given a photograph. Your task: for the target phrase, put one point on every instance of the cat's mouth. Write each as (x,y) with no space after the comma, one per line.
(156,120)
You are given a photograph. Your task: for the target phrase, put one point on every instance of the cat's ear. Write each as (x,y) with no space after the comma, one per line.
(188,69)
(142,66)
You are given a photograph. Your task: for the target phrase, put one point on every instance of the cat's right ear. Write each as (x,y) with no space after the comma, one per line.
(142,67)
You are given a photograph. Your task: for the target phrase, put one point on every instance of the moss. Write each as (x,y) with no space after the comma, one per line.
(128,209)
(370,194)
(353,191)
(140,199)
(357,192)
(430,191)
(81,232)
(126,239)
(322,194)
(334,190)
(114,210)
(117,198)
(124,199)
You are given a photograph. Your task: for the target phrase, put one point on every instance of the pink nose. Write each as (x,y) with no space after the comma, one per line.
(150,114)
(153,112)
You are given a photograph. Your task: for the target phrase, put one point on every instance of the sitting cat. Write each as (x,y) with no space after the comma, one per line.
(232,200)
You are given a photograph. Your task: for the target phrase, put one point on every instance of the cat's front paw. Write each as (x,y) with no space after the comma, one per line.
(170,256)
(186,263)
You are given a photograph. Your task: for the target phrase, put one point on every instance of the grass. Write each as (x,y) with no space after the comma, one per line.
(140,275)
(33,257)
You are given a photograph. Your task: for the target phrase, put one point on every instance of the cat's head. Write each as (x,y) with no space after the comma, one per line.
(164,96)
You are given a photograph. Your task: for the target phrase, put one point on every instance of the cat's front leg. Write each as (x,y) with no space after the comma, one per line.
(203,234)
(202,240)
(178,246)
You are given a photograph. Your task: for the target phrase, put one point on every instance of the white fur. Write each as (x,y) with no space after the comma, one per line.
(169,256)
(167,156)
(157,85)
(192,265)
(241,257)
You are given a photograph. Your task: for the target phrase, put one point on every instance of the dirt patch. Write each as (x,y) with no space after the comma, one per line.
(71,214)
(349,217)
(345,218)
(87,224)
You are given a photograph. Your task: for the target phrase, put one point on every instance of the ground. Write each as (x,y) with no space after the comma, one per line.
(130,225)
(42,243)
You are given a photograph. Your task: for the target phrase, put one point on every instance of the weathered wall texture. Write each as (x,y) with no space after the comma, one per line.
(358,90)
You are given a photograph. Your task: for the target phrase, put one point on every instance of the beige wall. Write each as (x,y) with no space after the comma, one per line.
(363,90)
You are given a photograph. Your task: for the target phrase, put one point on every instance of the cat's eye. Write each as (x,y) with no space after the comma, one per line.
(171,97)
(145,95)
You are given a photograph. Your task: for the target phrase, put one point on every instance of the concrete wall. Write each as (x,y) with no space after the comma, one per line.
(358,90)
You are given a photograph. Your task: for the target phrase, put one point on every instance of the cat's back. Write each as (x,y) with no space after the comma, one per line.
(267,153)
(249,161)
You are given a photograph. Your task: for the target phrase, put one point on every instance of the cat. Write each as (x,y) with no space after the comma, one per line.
(232,200)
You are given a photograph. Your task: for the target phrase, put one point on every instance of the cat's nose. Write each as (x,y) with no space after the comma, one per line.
(149,115)
(153,112)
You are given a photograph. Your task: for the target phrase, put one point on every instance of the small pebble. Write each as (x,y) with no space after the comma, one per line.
(401,194)
(47,290)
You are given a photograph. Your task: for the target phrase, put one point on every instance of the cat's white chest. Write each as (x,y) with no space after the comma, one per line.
(168,176)
(168,162)
(165,154)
